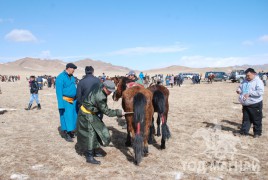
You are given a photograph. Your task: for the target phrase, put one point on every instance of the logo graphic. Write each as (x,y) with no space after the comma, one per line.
(219,151)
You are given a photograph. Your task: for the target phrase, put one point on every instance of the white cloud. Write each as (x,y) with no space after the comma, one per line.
(20,35)
(202,61)
(247,43)
(264,38)
(148,50)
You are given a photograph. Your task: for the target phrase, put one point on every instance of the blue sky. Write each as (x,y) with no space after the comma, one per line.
(137,34)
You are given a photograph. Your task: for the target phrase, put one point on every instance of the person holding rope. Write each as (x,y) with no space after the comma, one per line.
(91,130)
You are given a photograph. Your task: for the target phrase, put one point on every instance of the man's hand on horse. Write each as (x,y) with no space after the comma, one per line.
(123,113)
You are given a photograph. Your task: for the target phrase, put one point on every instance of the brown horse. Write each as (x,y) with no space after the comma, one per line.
(136,99)
(116,79)
(211,78)
(161,106)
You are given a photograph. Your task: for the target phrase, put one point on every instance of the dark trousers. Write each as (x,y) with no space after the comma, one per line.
(252,114)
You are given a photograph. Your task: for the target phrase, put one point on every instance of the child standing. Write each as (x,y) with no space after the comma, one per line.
(34,93)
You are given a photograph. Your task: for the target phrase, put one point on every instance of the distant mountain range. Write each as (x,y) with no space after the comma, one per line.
(39,66)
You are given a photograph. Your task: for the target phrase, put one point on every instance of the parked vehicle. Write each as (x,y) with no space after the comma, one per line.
(237,76)
(188,75)
(219,76)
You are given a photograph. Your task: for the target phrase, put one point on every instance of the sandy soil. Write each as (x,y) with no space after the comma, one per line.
(202,120)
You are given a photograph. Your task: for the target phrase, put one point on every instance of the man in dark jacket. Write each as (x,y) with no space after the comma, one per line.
(85,85)
(34,93)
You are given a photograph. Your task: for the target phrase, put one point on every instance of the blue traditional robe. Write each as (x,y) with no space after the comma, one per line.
(66,87)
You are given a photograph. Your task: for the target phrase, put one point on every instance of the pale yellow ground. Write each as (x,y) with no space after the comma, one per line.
(202,119)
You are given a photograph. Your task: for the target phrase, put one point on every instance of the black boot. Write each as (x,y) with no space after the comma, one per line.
(97,154)
(71,134)
(90,157)
(67,137)
(29,107)
(38,106)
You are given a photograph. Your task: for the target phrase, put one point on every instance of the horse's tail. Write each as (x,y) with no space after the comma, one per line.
(139,121)
(159,103)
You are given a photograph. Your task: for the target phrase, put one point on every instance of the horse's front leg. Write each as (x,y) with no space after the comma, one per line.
(128,142)
(158,125)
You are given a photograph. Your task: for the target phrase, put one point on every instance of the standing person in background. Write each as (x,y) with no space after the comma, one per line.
(264,78)
(85,86)
(49,81)
(103,76)
(40,82)
(53,81)
(251,92)
(171,81)
(141,76)
(34,93)
(66,94)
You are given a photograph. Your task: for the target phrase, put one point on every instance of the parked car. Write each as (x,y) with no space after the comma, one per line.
(237,76)
(219,76)
(188,75)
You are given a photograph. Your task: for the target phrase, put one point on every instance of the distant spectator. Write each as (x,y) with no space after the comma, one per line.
(34,93)
(171,81)
(264,78)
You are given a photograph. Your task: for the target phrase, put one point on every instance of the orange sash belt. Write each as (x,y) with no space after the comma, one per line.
(68,99)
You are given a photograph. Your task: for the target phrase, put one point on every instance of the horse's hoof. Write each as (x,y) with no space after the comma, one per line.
(145,152)
(163,147)
(158,134)
(128,144)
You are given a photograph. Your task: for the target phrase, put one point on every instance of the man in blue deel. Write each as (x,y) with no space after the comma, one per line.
(66,94)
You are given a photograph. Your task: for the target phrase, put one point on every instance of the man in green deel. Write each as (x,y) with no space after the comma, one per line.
(91,131)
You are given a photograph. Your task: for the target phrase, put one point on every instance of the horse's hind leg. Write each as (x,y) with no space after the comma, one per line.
(165,131)
(158,125)
(163,143)
(152,132)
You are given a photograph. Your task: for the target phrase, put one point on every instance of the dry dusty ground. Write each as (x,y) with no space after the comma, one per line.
(202,120)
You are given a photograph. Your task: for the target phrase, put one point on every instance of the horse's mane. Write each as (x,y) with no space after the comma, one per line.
(124,82)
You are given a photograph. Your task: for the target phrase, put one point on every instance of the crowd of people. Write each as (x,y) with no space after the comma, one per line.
(9,78)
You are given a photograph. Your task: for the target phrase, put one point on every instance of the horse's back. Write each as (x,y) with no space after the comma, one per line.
(131,92)
(161,88)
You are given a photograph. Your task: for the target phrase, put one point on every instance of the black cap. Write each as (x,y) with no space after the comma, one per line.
(71,65)
(251,70)
(89,70)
